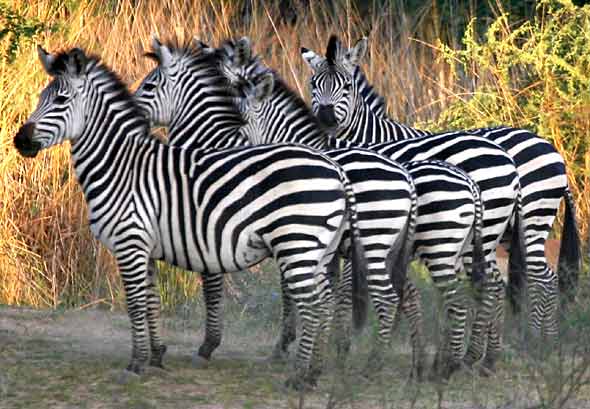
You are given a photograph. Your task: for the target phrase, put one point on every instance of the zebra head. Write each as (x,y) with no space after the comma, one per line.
(334,92)
(252,85)
(239,65)
(155,94)
(60,111)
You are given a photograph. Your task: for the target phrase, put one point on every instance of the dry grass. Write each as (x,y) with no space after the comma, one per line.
(47,254)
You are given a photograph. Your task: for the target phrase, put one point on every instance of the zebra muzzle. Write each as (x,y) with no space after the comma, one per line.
(327,116)
(24,143)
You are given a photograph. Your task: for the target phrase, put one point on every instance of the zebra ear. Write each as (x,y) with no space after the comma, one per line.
(77,62)
(243,51)
(203,47)
(355,55)
(162,52)
(47,60)
(312,59)
(264,87)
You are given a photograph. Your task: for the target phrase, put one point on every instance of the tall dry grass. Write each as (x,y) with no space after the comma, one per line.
(48,257)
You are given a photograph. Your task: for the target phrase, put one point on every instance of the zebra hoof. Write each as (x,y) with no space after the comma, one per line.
(199,362)
(125,377)
(487,370)
(300,384)
(279,356)
(136,367)
(158,356)
(157,371)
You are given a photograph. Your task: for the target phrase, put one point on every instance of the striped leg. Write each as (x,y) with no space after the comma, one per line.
(307,278)
(386,303)
(343,312)
(452,329)
(412,310)
(326,307)
(486,309)
(213,291)
(133,266)
(495,335)
(153,316)
(288,327)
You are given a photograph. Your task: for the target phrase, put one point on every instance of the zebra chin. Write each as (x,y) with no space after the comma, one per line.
(24,143)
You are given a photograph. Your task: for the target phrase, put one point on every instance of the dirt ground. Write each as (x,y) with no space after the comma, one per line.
(74,359)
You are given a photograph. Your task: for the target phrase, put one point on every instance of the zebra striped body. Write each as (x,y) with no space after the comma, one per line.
(274,114)
(338,103)
(385,195)
(215,212)
(543,183)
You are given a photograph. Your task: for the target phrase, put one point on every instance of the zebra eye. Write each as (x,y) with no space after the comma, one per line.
(149,86)
(60,99)
(347,86)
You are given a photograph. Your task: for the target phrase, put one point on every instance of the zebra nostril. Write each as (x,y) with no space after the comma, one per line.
(327,116)
(24,143)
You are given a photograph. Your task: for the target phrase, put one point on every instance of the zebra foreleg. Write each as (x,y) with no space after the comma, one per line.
(153,316)
(134,274)
(213,292)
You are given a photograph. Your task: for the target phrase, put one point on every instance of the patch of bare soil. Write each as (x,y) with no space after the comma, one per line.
(75,359)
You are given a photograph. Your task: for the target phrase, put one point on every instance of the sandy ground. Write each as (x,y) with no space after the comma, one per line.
(74,359)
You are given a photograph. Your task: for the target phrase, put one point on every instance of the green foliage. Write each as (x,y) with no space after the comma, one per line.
(16,30)
(535,75)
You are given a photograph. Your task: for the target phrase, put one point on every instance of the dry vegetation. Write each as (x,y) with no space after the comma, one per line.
(47,255)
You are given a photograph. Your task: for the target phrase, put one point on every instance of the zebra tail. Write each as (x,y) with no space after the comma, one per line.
(400,255)
(478,265)
(517,260)
(360,286)
(570,254)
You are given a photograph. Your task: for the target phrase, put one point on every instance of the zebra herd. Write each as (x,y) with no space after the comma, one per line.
(249,171)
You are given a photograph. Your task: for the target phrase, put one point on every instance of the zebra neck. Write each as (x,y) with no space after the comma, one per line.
(368,128)
(204,119)
(289,120)
(105,158)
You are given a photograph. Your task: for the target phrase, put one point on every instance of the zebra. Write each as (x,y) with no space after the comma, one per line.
(336,102)
(275,114)
(343,99)
(384,190)
(282,115)
(212,211)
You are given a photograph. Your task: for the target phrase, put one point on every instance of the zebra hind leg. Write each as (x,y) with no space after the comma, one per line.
(495,342)
(448,357)
(153,317)
(289,328)
(314,306)
(486,307)
(412,310)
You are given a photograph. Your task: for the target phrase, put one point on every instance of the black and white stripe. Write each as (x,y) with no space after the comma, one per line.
(214,212)
(385,195)
(337,101)
(450,201)
(541,169)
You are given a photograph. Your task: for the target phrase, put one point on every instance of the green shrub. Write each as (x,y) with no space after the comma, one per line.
(534,76)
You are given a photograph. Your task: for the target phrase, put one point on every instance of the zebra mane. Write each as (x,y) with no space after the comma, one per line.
(185,49)
(114,83)
(285,90)
(332,50)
